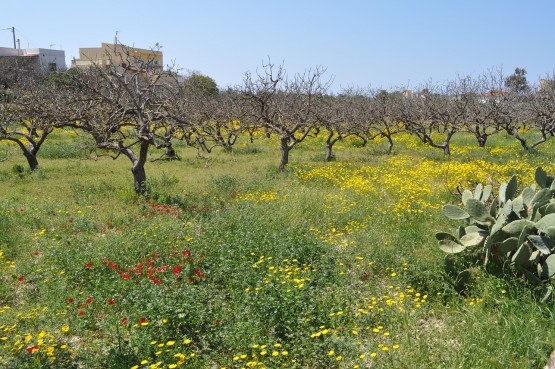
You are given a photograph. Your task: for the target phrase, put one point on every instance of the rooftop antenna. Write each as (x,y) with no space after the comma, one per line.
(13,33)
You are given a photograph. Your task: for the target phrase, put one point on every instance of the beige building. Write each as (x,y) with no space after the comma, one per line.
(547,84)
(121,55)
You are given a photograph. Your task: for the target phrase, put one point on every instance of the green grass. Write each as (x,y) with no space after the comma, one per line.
(230,263)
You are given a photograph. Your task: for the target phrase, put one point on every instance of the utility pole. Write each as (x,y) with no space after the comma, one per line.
(13,33)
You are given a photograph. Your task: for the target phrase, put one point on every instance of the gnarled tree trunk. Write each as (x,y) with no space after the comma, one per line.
(284,148)
(139,178)
(31,160)
(138,168)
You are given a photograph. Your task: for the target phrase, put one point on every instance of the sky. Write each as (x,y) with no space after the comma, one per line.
(388,44)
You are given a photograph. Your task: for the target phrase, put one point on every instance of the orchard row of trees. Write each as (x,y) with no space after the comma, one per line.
(128,109)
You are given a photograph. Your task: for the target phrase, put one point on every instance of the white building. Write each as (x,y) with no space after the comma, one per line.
(44,59)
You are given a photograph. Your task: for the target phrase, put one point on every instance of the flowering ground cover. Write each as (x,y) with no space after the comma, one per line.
(233,265)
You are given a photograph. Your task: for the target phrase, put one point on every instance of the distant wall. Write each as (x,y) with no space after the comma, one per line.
(47,59)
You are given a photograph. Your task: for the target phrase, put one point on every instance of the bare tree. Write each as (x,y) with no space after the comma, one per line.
(428,112)
(504,107)
(363,114)
(35,107)
(285,106)
(337,116)
(539,108)
(217,121)
(16,70)
(481,105)
(128,116)
(382,117)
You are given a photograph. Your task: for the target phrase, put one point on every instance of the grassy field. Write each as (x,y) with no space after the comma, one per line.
(231,264)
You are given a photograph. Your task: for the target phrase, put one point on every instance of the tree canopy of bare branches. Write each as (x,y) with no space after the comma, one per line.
(285,106)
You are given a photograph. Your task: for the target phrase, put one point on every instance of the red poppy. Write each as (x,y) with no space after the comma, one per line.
(70,299)
(124,321)
(36,253)
(70,221)
(142,320)
(21,279)
(199,273)
(111,302)
(32,349)
(81,313)
(155,280)
(89,265)
(176,270)
(89,300)
(126,276)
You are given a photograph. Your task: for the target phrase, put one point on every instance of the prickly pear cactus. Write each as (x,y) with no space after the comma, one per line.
(518,231)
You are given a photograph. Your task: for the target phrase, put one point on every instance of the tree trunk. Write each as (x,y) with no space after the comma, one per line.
(29,153)
(447,143)
(364,140)
(389,144)
(521,139)
(31,160)
(481,137)
(138,169)
(447,150)
(329,154)
(329,146)
(139,178)
(170,153)
(285,148)
(482,140)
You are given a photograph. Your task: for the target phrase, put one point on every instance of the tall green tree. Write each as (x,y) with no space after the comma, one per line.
(517,82)
(200,84)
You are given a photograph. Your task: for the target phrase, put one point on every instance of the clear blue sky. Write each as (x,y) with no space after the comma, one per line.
(381,43)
